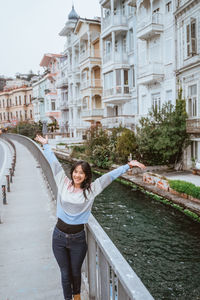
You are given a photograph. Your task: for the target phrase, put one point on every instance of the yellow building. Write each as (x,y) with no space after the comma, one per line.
(16,105)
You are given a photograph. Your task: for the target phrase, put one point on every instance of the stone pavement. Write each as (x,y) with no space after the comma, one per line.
(28,270)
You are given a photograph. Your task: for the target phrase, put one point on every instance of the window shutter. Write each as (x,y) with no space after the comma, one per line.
(188,39)
(193,36)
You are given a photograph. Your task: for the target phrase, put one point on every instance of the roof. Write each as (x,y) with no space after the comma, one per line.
(73,14)
(47,58)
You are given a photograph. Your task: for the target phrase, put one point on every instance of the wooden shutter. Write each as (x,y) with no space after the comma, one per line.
(193,36)
(188,39)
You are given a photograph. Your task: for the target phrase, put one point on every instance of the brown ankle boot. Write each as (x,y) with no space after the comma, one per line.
(77,297)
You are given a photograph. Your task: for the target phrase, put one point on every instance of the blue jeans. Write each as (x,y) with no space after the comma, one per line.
(69,251)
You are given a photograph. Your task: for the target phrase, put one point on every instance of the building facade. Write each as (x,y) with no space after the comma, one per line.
(80,76)
(119,63)
(15,105)
(187,22)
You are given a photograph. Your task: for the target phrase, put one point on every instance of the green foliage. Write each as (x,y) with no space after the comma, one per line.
(28,129)
(101,157)
(161,136)
(185,187)
(126,144)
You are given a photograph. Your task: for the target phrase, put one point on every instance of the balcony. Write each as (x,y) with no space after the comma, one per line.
(85,84)
(62,83)
(119,21)
(64,105)
(150,73)
(117,57)
(96,83)
(132,3)
(93,114)
(117,95)
(113,122)
(150,27)
(193,125)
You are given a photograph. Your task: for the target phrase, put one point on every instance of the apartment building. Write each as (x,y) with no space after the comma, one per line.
(16,104)
(80,76)
(156,78)
(45,99)
(187,22)
(119,64)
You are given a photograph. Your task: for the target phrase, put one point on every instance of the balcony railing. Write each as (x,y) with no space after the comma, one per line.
(92,113)
(151,26)
(118,90)
(150,73)
(84,84)
(64,105)
(119,19)
(62,82)
(125,121)
(96,83)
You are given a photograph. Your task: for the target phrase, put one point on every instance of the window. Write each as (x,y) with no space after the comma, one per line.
(131,40)
(0,103)
(8,116)
(116,46)
(31,114)
(192,101)
(191,40)
(108,47)
(53,105)
(126,86)
(24,100)
(20,114)
(4,116)
(17,115)
(108,84)
(156,101)
(133,76)
(0,116)
(169,96)
(3,103)
(169,6)
(85,101)
(124,44)
(118,82)
(194,149)
(25,114)
(11,115)
(30,98)
(16,101)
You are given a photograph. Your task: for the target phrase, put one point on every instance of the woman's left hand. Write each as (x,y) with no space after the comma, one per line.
(135,163)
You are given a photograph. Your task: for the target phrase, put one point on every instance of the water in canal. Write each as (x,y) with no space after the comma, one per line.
(161,244)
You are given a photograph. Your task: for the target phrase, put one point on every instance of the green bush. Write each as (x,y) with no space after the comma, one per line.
(185,187)
(28,129)
(101,157)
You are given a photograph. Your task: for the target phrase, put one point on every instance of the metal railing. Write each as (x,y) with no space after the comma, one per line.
(105,271)
(7,172)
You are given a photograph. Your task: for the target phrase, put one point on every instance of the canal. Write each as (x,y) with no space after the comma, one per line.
(161,244)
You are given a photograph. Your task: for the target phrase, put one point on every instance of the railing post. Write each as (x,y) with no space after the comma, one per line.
(10,169)
(8,183)
(4,193)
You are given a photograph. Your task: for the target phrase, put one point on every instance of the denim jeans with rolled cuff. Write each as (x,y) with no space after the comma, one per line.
(69,251)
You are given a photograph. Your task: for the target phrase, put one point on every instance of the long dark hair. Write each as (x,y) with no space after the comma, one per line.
(86,184)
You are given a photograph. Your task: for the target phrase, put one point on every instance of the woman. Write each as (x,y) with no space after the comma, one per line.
(74,203)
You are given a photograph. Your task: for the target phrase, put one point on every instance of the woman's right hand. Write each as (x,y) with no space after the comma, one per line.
(41,139)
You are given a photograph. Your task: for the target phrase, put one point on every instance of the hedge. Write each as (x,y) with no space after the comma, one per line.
(185,187)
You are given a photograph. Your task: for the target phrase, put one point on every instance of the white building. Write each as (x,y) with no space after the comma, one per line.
(156,54)
(45,99)
(187,21)
(118,50)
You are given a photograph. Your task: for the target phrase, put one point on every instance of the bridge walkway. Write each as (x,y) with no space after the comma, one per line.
(28,270)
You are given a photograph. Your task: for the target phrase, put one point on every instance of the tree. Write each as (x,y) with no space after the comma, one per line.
(162,135)
(126,144)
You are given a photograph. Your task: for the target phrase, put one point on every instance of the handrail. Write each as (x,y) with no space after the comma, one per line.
(105,271)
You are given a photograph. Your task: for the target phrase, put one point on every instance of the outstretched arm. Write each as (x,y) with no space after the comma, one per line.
(58,172)
(102,182)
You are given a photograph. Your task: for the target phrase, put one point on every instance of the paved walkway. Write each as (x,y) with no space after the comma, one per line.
(28,270)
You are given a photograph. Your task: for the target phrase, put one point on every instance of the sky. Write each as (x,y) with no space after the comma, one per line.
(30,28)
